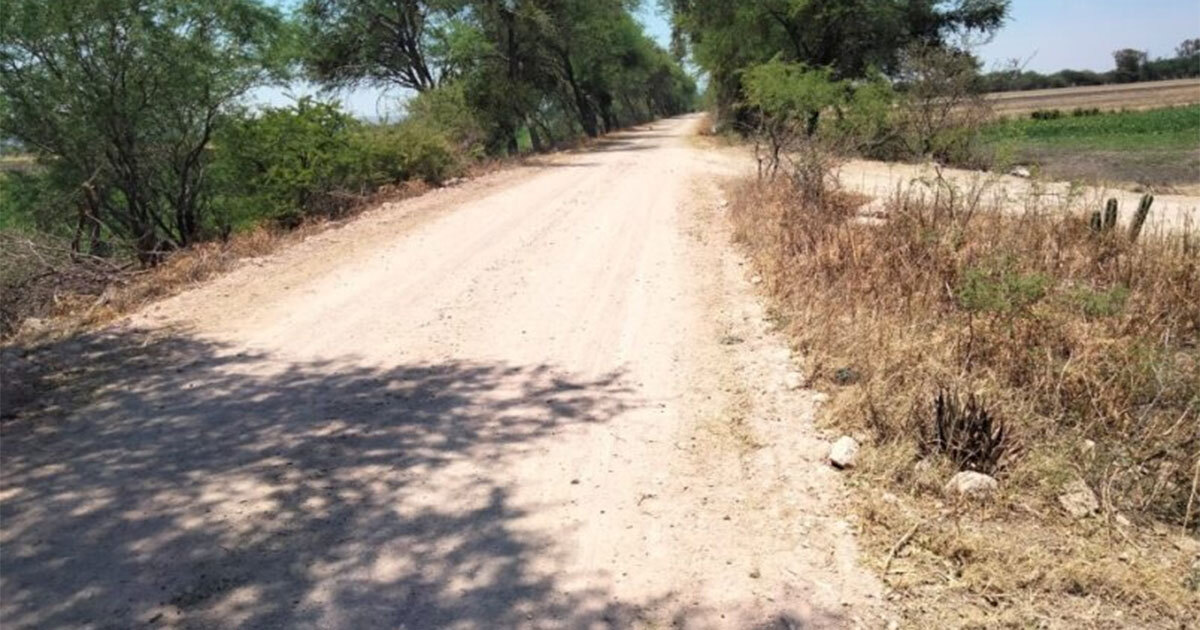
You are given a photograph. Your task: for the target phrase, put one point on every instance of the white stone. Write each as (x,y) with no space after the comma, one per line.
(793,380)
(972,485)
(844,452)
(1079,500)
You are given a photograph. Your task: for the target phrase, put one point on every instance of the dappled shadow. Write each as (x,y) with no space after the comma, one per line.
(187,484)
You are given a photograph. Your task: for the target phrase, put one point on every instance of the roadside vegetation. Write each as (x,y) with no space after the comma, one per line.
(1054,352)
(128,140)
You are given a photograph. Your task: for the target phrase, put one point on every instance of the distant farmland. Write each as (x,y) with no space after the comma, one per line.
(1105,97)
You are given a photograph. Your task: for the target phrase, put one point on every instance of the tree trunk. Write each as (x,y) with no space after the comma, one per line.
(587,118)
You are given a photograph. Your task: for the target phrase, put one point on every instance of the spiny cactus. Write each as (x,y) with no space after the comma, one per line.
(1139,218)
(966,432)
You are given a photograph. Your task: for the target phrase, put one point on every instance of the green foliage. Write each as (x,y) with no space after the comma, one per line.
(406,151)
(999,289)
(869,118)
(447,111)
(311,158)
(852,38)
(1103,303)
(120,99)
(283,163)
(780,89)
(545,70)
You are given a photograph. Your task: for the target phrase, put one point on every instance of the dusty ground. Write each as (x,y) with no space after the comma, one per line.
(883,180)
(547,398)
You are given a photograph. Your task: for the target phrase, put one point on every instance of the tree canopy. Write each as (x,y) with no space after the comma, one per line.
(524,64)
(850,38)
(123,96)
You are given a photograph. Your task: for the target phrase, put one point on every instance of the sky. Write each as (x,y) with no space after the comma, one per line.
(1052,35)
(1043,35)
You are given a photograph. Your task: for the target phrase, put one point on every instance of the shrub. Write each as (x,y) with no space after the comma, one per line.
(312,159)
(284,163)
(1046,114)
(409,150)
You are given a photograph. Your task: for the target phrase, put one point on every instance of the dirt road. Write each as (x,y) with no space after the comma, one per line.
(886,180)
(547,398)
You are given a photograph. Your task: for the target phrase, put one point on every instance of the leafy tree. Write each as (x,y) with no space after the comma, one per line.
(1130,65)
(551,68)
(1188,48)
(850,37)
(378,42)
(120,98)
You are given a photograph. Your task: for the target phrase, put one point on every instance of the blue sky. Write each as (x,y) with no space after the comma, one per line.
(1082,34)
(1045,35)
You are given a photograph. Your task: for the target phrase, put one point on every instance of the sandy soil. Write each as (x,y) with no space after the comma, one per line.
(884,180)
(547,398)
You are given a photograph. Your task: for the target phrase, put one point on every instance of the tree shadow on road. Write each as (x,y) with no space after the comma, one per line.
(171,481)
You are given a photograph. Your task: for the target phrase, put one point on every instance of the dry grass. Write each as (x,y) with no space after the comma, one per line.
(1084,346)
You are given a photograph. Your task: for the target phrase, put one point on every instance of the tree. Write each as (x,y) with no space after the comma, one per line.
(850,37)
(1130,65)
(377,42)
(122,97)
(1188,48)
(551,68)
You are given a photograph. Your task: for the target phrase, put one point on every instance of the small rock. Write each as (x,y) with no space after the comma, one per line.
(844,452)
(972,485)
(1079,500)
(756,280)
(1122,521)
(820,398)
(1088,448)
(1021,171)
(793,380)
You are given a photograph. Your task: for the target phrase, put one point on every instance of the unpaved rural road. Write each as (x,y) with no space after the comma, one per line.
(546,398)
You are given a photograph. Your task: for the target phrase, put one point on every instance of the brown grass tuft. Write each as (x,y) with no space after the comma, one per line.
(1083,347)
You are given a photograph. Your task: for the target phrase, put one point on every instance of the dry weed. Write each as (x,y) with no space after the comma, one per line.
(1085,347)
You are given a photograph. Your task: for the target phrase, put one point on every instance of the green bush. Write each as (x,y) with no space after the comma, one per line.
(405,151)
(447,111)
(986,290)
(312,159)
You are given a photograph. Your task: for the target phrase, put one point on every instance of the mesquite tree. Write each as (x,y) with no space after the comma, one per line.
(122,98)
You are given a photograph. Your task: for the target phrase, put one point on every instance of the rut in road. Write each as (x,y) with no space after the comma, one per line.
(545,399)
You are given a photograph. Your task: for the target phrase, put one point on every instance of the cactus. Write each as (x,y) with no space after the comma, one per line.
(1110,215)
(1097,221)
(1139,218)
